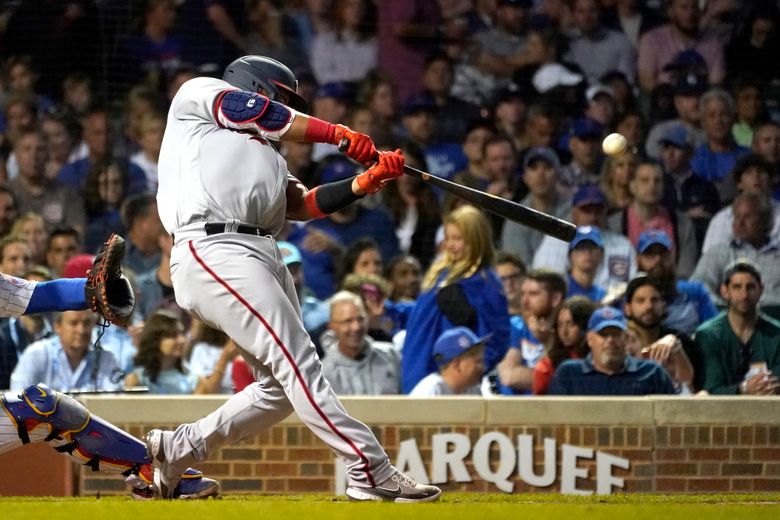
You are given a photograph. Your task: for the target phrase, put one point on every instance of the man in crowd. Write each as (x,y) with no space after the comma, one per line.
(741,347)
(540,175)
(608,369)
(66,361)
(543,290)
(752,241)
(355,364)
(647,212)
(644,308)
(589,208)
(586,253)
(688,303)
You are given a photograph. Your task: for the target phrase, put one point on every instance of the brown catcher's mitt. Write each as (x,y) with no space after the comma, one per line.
(108,291)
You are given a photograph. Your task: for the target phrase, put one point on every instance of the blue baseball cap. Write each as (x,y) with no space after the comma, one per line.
(455,342)
(587,233)
(677,136)
(422,102)
(334,90)
(290,253)
(690,84)
(606,317)
(539,153)
(585,127)
(652,237)
(588,194)
(339,168)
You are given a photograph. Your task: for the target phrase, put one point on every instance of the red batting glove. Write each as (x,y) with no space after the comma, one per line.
(389,166)
(360,146)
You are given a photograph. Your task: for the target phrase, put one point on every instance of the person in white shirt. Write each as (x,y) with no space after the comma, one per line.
(459,354)
(589,208)
(752,174)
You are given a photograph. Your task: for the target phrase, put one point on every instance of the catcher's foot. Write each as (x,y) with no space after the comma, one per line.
(193,485)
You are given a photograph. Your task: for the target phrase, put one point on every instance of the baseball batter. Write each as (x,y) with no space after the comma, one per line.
(224,192)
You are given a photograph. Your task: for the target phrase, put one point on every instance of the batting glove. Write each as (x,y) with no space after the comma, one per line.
(359,146)
(389,166)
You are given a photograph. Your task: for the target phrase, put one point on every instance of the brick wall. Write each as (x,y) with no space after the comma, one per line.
(701,454)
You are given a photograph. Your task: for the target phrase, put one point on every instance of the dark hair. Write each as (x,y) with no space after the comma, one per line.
(160,325)
(352,254)
(505,257)
(741,266)
(552,280)
(747,162)
(135,207)
(62,232)
(581,309)
(93,202)
(640,281)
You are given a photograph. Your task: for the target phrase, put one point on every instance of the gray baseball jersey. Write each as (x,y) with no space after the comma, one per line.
(218,167)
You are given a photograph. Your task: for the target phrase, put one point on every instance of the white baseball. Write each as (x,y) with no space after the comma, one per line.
(614,144)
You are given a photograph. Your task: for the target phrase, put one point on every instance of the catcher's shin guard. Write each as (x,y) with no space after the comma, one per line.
(73,431)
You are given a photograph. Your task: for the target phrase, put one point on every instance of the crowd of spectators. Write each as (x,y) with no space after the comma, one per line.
(671,284)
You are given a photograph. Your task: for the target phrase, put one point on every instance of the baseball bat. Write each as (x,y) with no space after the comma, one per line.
(538,220)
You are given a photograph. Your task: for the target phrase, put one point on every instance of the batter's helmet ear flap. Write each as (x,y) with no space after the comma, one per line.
(256,73)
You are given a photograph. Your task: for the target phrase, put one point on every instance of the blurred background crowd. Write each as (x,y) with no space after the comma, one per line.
(669,286)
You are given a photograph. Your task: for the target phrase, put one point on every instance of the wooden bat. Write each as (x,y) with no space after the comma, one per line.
(547,224)
(540,221)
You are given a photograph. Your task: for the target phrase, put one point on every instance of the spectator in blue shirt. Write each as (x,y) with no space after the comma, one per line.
(66,361)
(586,252)
(688,302)
(714,159)
(608,370)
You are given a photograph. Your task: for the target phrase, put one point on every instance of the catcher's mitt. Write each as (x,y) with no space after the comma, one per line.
(108,291)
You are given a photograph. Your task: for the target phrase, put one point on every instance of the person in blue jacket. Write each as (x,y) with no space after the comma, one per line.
(460,289)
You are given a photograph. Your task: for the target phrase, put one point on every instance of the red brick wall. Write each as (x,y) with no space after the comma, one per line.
(677,458)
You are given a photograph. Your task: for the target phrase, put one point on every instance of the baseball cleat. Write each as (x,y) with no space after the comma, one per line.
(165,486)
(399,488)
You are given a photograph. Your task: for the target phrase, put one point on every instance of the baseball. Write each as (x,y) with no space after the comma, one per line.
(614,144)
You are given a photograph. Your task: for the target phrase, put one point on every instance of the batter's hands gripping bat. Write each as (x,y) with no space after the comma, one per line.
(547,224)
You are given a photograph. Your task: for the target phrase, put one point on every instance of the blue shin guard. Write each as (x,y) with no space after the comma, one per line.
(91,441)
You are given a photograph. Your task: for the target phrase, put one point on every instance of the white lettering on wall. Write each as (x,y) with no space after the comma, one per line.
(569,470)
(506,460)
(525,461)
(410,461)
(454,460)
(450,450)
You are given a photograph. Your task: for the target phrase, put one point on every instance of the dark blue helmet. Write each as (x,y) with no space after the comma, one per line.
(260,73)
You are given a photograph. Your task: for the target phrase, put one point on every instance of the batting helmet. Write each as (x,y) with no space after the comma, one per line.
(254,73)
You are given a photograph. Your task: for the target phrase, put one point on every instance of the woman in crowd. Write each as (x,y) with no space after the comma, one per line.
(32,228)
(349,51)
(415,210)
(377,93)
(615,176)
(460,288)
(362,257)
(159,364)
(209,347)
(104,190)
(568,341)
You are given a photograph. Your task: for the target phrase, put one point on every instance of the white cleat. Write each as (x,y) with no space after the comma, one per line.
(398,488)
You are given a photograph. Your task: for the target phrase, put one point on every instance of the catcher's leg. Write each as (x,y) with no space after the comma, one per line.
(42,414)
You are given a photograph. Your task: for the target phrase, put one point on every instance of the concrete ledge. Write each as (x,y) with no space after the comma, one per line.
(150,410)
(570,410)
(709,410)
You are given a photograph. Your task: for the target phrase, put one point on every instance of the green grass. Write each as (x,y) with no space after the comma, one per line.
(467,506)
